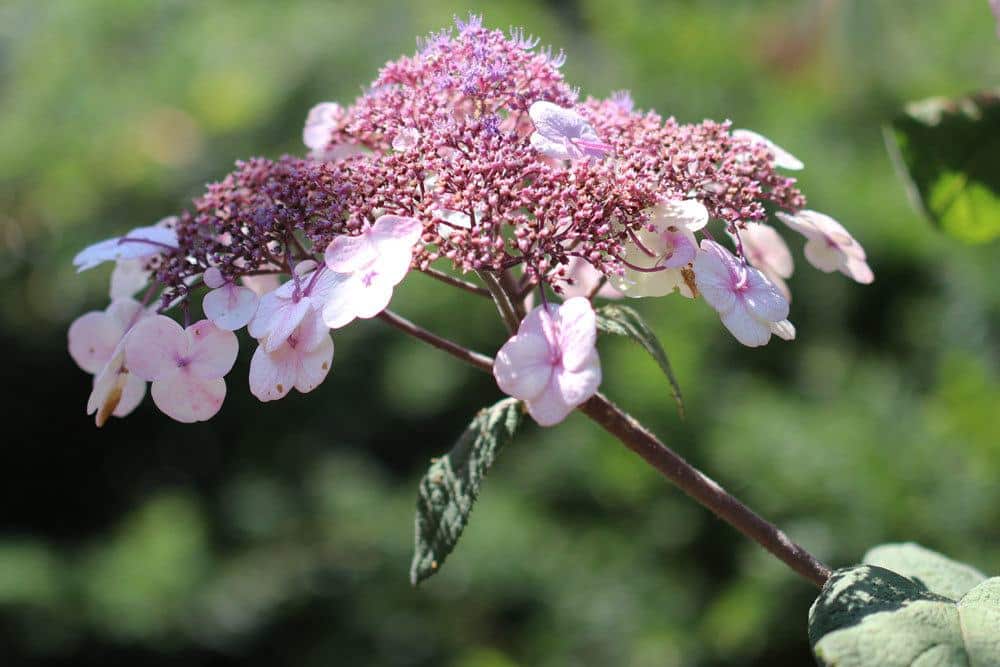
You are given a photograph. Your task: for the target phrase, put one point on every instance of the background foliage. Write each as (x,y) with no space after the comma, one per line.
(282,533)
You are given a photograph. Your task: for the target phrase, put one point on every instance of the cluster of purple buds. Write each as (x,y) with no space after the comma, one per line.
(472,153)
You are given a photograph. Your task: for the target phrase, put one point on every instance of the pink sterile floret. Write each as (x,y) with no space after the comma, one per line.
(585,279)
(95,343)
(139,243)
(750,305)
(564,134)
(659,254)
(551,363)
(186,366)
(229,306)
(302,361)
(371,264)
(280,312)
(765,249)
(830,247)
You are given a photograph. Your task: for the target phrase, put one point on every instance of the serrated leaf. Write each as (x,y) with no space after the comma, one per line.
(451,485)
(870,616)
(949,153)
(624,321)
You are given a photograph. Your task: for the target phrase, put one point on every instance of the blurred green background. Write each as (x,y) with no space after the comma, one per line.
(280,534)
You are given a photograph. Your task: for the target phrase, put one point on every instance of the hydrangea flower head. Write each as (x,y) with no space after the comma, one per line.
(472,156)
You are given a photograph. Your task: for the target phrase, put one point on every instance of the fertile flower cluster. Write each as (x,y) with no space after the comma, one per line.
(472,153)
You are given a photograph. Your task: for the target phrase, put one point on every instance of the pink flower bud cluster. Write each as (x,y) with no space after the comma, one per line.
(473,152)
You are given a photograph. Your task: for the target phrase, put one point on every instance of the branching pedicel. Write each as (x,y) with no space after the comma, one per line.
(473,152)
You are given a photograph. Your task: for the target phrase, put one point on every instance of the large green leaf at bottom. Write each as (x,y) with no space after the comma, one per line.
(949,151)
(870,616)
(452,483)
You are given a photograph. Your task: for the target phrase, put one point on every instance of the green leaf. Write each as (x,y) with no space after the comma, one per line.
(624,321)
(451,485)
(871,616)
(949,153)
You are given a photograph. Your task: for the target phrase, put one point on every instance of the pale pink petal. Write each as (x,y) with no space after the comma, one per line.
(823,256)
(272,375)
(261,285)
(391,266)
(782,158)
(286,320)
(688,213)
(858,270)
(128,277)
(187,398)
(763,298)
(126,313)
(585,278)
(576,324)
(396,229)
(373,299)
(766,250)
(549,408)
(342,302)
(133,392)
(313,365)
(310,333)
(213,278)
(522,368)
(230,307)
(747,329)
(92,338)
(347,254)
(320,122)
(576,386)
(800,222)
(713,270)
(267,312)
(783,329)
(138,243)
(212,351)
(155,346)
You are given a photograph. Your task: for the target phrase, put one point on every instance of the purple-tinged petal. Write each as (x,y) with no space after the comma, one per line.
(347,254)
(213,278)
(576,324)
(522,367)
(747,329)
(763,299)
(713,270)
(576,386)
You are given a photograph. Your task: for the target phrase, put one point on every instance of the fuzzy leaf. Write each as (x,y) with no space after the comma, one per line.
(870,616)
(624,321)
(451,485)
(949,153)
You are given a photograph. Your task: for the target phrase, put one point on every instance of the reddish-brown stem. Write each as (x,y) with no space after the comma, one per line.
(703,489)
(457,282)
(668,463)
(480,361)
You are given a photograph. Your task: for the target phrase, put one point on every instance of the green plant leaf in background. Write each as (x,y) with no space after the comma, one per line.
(949,153)
(624,321)
(907,607)
(451,485)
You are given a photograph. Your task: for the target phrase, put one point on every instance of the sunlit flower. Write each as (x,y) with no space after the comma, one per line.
(564,134)
(782,158)
(280,312)
(750,305)
(229,306)
(95,343)
(830,247)
(551,363)
(765,249)
(372,264)
(302,361)
(186,366)
(659,255)
(139,243)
